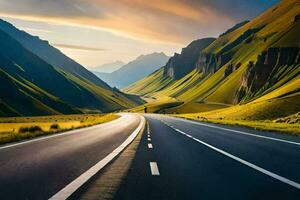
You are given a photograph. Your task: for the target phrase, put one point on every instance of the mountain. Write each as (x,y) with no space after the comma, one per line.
(134,70)
(109,67)
(49,54)
(181,64)
(252,70)
(176,68)
(31,86)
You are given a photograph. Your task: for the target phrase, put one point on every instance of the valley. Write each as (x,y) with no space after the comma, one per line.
(93,107)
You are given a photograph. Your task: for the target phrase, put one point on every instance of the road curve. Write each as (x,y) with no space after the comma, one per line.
(183,159)
(40,168)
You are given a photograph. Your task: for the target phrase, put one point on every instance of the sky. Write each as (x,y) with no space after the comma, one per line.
(94,32)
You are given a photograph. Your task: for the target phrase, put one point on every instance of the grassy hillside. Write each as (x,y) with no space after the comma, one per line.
(31,86)
(50,54)
(251,71)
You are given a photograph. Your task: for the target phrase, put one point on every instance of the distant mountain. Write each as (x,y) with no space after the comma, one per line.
(31,86)
(134,70)
(50,54)
(254,63)
(108,67)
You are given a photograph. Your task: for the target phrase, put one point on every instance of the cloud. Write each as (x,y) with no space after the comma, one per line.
(35,30)
(173,21)
(77,47)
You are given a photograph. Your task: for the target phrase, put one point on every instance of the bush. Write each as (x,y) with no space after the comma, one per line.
(31,129)
(54,126)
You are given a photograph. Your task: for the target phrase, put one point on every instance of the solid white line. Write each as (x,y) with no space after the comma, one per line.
(264,171)
(83,178)
(244,133)
(56,135)
(154,169)
(150,146)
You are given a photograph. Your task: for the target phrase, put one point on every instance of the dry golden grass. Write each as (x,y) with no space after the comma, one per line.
(10,127)
(265,125)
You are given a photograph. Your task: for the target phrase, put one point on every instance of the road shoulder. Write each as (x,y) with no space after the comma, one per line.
(106,182)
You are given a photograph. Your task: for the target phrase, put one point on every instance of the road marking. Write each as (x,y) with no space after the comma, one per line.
(72,187)
(148,129)
(154,169)
(150,146)
(264,171)
(149,139)
(244,133)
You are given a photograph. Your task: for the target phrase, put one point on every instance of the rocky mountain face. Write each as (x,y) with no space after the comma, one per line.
(262,74)
(209,63)
(181,64)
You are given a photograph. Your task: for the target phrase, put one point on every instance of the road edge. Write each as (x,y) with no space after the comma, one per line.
(76,184)
(53,135)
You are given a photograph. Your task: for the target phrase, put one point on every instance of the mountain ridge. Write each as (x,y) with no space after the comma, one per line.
(108,67)
(50,54)
(31,86)
(134,70)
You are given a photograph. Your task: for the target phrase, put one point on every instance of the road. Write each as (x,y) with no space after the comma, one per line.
(175,159)
(39,168)
(190,160)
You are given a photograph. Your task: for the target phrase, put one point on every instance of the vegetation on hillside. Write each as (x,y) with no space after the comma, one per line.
(251,72)
(31,86)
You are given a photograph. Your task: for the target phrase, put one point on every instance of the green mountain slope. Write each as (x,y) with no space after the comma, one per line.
(31,86)
(49,54)
(251,61)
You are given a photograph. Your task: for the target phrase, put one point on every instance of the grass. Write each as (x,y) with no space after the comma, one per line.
(19,128)
(157,106)
(264,125)
(268,115)
(195,107)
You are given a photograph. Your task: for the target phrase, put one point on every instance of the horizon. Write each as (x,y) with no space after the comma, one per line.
(95,38)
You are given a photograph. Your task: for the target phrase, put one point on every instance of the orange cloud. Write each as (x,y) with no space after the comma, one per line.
(170,21)
(76,47)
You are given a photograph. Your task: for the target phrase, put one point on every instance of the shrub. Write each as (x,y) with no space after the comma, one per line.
(54,126)
(31,129)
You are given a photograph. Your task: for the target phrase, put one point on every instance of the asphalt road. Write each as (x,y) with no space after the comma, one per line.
(189,160)
(40,168)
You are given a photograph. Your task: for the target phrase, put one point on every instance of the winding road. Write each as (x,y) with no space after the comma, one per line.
(175,159)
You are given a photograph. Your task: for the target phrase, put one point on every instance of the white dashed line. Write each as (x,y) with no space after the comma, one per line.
(255,167)
(149,139)
(150,146)
(154,169)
